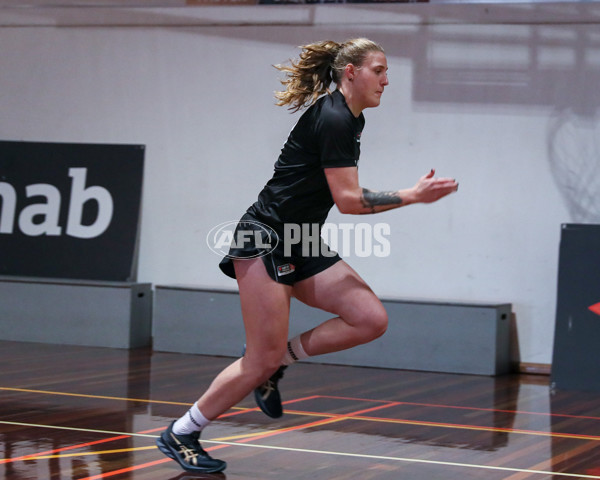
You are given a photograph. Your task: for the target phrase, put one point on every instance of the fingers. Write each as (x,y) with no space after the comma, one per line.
(442,181)
(449,185)
(446,182)
(431,189)
(430,174)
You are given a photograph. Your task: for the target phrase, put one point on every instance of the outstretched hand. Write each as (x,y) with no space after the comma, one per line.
(430,189)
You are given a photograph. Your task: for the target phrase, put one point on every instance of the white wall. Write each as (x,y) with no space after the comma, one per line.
(504,98)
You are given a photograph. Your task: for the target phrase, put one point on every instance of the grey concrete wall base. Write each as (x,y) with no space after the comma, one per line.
(70,312)
(427,336)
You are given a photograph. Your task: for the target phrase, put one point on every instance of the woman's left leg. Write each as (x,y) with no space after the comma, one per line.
(359,318)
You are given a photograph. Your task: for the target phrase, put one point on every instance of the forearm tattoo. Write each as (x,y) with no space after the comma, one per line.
(372,199)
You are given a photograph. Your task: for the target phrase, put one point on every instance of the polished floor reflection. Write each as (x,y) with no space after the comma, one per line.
(78,413)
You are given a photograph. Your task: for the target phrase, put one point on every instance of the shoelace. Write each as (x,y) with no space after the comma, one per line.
(189,455)
(267,388)
(190,451)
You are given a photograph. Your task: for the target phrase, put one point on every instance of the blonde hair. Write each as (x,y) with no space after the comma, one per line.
(318,65)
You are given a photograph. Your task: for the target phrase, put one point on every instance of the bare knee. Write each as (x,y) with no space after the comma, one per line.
(373,323)
(379,323)
(261,365)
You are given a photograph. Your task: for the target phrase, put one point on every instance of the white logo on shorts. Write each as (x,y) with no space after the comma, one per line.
(285,269)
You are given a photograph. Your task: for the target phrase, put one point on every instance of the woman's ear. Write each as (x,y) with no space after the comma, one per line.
(350,71)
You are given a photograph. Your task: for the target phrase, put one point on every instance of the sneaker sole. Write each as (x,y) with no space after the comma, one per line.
(261,404)
(164,448)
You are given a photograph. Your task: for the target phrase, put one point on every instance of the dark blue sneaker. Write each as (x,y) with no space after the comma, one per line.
(186,450)
(267,395)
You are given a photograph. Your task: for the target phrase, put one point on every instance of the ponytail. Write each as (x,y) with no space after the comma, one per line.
(319,64)
(309,77)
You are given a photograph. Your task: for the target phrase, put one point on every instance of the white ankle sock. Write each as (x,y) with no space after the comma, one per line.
(192,421)
(295,351)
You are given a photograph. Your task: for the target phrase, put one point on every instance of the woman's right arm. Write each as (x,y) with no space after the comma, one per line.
(351,198)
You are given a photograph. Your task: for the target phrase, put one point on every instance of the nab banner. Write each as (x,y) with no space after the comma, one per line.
(70,210)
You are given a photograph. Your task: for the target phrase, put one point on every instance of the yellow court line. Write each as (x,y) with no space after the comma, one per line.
(400,421)
(103,397)
(237,437)
(143,400)
(76,429)
(84,454)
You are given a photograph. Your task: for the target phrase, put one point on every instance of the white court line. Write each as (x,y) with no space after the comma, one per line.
(408,460)
(326,452)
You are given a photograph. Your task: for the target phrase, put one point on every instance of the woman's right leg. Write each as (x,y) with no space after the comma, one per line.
(265,310)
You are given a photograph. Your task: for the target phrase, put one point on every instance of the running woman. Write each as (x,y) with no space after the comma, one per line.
(317,168)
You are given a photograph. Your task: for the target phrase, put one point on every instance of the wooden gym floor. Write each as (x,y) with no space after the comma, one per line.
(78,413)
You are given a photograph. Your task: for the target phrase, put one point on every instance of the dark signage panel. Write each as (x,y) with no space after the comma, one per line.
(70,210)
(576,359)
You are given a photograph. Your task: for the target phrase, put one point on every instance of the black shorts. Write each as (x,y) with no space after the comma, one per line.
(286,261)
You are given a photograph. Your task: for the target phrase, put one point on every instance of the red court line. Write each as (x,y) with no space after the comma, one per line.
(457,407)
(463,426)
(256,409)
(330,419)
(301,399)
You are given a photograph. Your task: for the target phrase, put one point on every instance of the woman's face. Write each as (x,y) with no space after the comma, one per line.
(370,79)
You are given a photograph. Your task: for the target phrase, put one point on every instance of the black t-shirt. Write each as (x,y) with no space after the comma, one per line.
(326,135)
